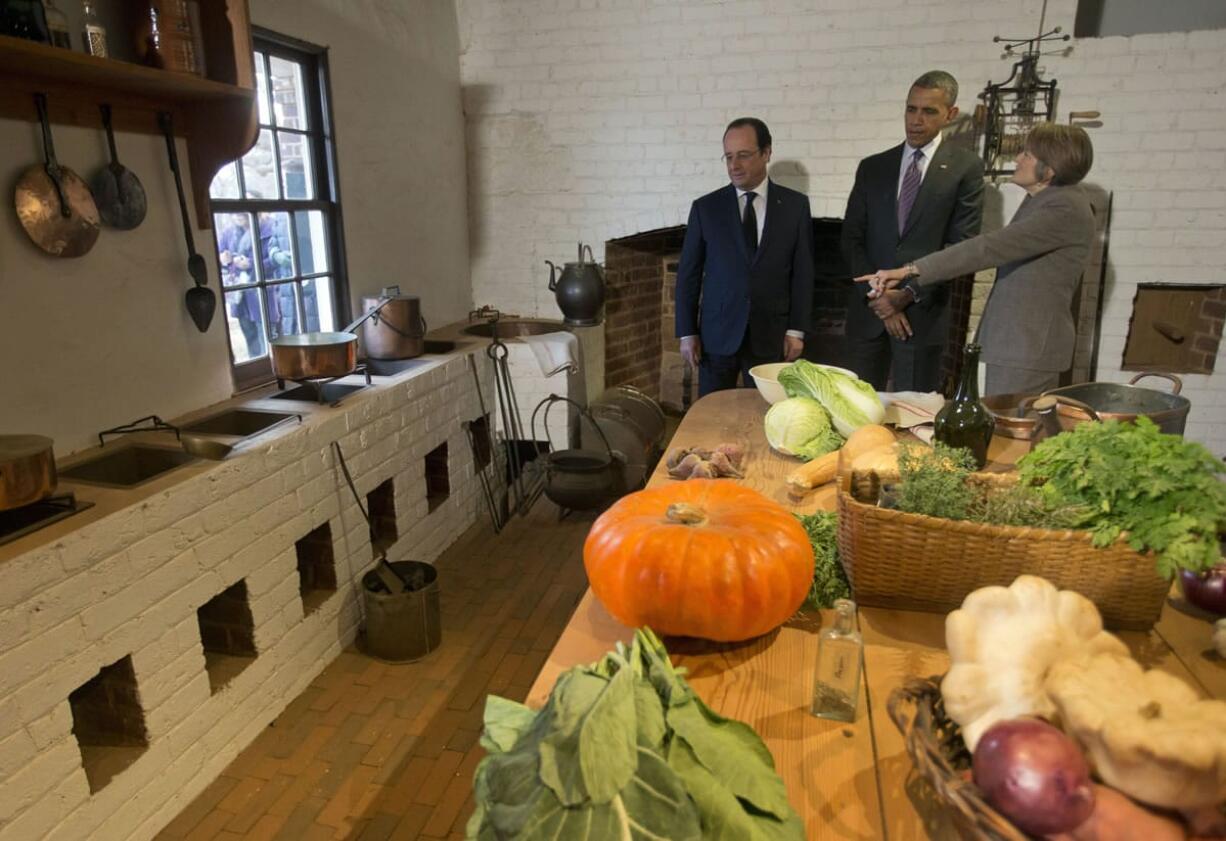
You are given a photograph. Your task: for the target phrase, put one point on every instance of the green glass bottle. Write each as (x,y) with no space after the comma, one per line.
(964,421)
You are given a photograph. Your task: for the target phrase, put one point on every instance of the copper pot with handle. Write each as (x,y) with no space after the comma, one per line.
(1115,401)
(398,331)
(27,470)
(319,355)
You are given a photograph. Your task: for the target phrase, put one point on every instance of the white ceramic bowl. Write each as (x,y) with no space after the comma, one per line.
(766,378)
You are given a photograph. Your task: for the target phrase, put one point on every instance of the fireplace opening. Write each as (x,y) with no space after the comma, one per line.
(227,633)
(381,507)
(438,477)
(316,568)
(641,348)
(1175,328)
(108,722)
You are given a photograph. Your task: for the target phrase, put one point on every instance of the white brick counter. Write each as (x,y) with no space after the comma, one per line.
(131,583)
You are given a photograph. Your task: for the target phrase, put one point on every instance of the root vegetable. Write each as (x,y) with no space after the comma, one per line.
(814,473)
(1034,775)
(861,441)
(1116,818)
(724,466)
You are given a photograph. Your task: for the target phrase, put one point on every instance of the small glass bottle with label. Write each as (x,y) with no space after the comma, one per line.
(94,33)
(836,689)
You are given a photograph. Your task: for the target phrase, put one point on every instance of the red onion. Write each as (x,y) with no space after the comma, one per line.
(1206,590)
(1034,775)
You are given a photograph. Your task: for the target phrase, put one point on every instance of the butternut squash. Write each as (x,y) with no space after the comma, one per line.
(866,438)
(814,473)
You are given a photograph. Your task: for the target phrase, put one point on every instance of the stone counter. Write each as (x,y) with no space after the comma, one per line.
(114,607)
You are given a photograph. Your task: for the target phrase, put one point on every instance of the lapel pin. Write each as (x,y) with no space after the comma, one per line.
(944,166)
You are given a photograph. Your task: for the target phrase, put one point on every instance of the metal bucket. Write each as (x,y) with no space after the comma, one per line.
(634,426)
(403,626)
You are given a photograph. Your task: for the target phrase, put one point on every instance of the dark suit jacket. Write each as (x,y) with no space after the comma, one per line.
(1040,256)
(721,292)
(947,209)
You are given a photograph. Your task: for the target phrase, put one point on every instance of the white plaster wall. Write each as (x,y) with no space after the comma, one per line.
(101,340)
(593,119)
(130,584)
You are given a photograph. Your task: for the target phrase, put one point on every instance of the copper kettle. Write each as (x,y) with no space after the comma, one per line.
(579,289)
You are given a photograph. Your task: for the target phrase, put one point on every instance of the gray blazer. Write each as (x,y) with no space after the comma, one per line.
(1039,256)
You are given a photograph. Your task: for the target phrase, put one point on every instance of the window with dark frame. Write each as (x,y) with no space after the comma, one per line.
(276,213)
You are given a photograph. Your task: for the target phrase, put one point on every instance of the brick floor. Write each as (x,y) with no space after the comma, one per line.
(372,751)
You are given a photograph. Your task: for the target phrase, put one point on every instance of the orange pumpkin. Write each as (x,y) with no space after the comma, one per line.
(700,558)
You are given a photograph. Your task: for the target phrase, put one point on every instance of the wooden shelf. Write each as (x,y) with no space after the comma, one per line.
(217,115)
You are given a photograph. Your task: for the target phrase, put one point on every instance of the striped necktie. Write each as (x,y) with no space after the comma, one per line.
(910,188)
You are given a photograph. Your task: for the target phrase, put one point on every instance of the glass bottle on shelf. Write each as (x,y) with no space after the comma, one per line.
(57,26)
(965,421)
(94,33)
(836,688)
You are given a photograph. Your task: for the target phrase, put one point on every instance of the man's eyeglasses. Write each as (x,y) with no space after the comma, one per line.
(740,157)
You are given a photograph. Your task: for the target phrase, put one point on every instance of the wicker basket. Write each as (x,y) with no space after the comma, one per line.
(941,758)
(909,561)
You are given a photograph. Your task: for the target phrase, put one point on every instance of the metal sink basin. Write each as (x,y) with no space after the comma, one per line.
(509,328)
(240,422)
(126,467)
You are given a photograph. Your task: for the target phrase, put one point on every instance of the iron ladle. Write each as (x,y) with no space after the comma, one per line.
(201,300)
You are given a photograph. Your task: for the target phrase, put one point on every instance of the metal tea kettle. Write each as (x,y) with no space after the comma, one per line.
(579,289)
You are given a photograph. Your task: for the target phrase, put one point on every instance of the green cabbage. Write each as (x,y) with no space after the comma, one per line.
(851,402)
(799,426)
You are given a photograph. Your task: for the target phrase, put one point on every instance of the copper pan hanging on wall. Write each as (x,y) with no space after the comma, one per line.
(53,203)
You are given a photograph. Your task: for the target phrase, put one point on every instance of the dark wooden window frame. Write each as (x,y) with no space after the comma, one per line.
(321,139)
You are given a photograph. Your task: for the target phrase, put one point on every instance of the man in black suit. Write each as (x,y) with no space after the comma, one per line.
(745,279)
(907,202)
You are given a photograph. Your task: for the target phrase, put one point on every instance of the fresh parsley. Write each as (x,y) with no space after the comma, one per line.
(829,580)
(1161,492)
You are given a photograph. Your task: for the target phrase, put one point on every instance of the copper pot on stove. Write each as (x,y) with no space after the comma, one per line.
(398,330)
(27,470)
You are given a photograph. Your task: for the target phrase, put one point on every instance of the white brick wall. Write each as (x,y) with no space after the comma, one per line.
(130,584)
(593,119)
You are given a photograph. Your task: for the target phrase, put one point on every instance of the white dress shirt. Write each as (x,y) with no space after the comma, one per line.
(929,150)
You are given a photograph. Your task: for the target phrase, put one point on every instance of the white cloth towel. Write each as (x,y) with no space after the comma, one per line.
(555,352)
(913,410)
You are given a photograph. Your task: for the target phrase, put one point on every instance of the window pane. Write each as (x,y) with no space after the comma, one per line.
(296,178)
(288,103)
(283,308)
(261,90)
(260,169)
(311,234)
(245,320)
(235,252)
(276,250)
(317,303)
(225,183)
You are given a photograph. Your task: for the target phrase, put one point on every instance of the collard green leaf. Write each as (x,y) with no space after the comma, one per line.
(505,722)
(607,737)
(573,697)
(648,716)
(733,753)
(724,817)
(653,806)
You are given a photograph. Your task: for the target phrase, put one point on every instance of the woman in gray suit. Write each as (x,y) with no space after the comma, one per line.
(1027,331)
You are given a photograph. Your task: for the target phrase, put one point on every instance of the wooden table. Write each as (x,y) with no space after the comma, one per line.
(847,781)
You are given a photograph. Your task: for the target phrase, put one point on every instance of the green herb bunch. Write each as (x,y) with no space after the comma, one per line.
(624,749)
(1132,479)
(829,580)
(933,481)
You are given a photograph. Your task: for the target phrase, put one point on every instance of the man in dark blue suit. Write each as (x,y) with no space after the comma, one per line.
(745,280)
(907,202)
